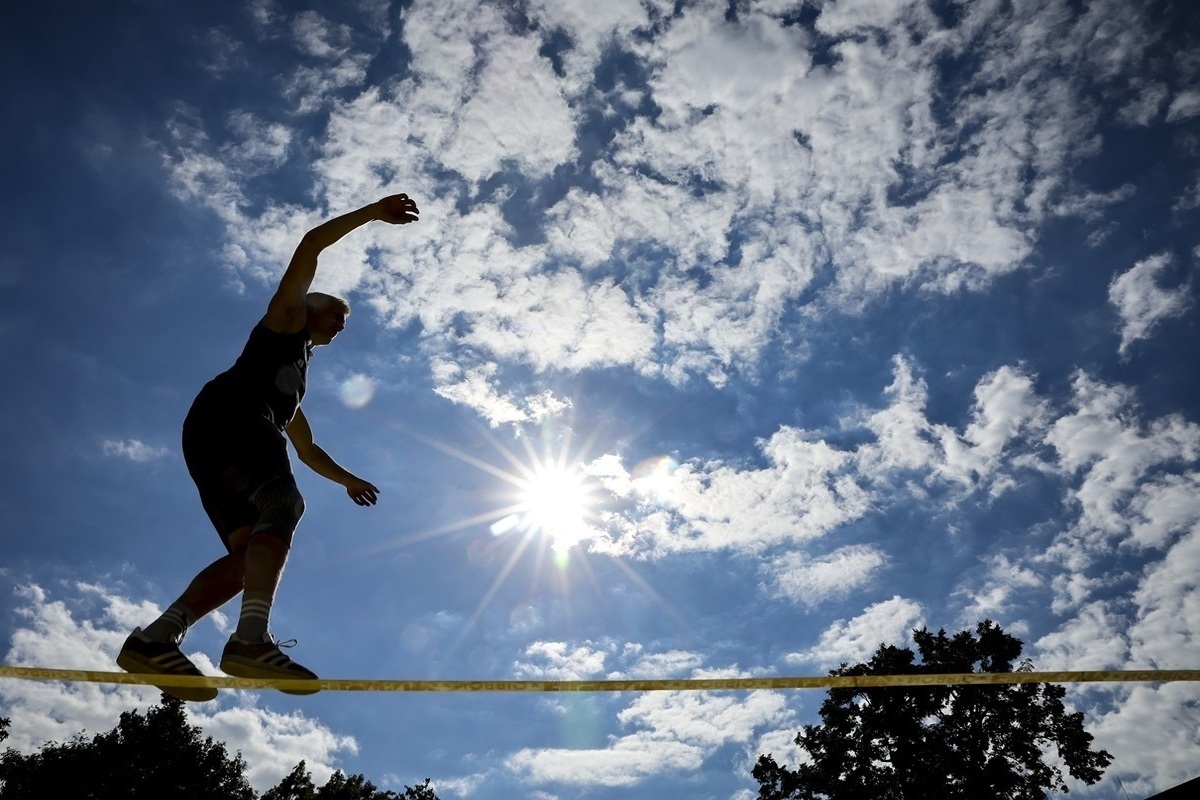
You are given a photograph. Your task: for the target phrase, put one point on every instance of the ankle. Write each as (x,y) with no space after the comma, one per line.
(255,616)
(172,625)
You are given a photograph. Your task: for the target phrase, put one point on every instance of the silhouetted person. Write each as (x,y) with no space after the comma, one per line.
(234,446)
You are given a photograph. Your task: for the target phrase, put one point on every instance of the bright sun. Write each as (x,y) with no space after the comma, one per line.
(553,498)
(554,502)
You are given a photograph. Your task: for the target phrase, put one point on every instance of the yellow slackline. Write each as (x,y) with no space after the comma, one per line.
(677,685)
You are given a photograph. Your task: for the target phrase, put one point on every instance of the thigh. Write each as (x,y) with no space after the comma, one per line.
(229,455)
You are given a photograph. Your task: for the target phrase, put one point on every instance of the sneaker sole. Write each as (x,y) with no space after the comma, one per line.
(140,665)
(249,668)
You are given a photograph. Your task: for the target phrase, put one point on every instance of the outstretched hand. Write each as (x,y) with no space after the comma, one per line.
(398,209)
(361,492)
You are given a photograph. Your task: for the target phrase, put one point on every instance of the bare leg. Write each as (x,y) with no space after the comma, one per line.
(254,565)
(251,652)
(214,586)
(266,555)
(220,581)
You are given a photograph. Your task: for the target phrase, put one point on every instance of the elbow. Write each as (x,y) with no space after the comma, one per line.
(311,244)
(305,454)
(311,238)
(314,458)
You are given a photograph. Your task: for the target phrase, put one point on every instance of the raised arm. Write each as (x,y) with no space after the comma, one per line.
(286,311)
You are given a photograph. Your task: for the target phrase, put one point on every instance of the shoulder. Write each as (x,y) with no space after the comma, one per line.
(285,313)
(264,337)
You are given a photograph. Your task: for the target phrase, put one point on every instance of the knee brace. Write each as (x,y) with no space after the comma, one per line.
(280,507)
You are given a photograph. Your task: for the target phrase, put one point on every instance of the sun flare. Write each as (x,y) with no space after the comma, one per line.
(555,502)
(552,503)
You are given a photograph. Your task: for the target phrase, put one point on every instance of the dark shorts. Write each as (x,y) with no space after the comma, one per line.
(230,452)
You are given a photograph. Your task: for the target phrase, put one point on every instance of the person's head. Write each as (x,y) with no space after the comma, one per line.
(326,316)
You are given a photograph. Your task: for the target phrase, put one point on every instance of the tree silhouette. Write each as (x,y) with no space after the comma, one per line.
(144,758)
(159,755)
(298,785)
(953,742)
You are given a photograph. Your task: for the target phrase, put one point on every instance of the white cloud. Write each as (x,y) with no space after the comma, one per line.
(698,228)
(476,389)
(1150,728)
(1005,583)
(1189,200)
(1114,453)
(591,28)
(1146,103)
(1167,631)
(524,120)
(462,786)
(1184,105)
(780,745)
(856,640)
(1142,303)
(1153,734)
(312,88)
(811,581)
(1163,507)
(132,449)
(669,664)
(273,743)
(625,763)
(673,732)
(260,145)
(561,661)
(809,487)
(46,634)
(1006,412)
(903,434)
(85,632)
(591,660)
(847,15)
(1091,205)
(802,493)
(1153,727)
(1092,639)
(318,37)
(464,105)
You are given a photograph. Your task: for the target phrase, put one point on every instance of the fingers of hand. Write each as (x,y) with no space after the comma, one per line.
(365,497)
(400,208)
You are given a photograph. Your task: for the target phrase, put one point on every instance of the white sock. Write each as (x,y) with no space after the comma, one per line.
(256,614)
(172,625)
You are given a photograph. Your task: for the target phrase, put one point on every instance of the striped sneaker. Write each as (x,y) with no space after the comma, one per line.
(143,656)
(264,660)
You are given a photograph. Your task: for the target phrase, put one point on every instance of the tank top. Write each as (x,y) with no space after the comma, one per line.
(271,374)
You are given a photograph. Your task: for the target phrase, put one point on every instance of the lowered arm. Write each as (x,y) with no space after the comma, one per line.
(313,456)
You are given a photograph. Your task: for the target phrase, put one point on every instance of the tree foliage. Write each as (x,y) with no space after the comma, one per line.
(298,785)
(969,742)
(146,757)
(159,755)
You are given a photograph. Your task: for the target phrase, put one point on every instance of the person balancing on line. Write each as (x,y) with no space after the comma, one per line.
(233,443)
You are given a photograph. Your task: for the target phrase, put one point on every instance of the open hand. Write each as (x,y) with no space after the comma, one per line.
(398,209)
(361,492)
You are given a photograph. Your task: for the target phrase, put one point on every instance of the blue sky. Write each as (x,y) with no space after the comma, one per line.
(839,317)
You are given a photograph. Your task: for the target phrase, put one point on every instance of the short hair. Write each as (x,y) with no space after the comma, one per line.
(319,301)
